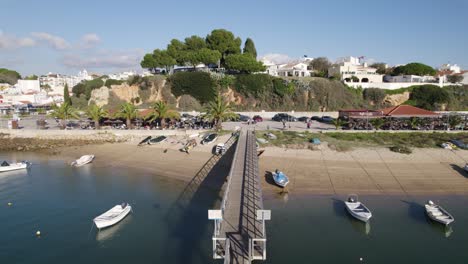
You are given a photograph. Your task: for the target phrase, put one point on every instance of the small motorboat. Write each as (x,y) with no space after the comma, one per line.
(262,141)
(210,138)
(83,160)
(315,141)
(157,140)
(220,149)
(280,178)
(448,145)
(145,141)
(5,166)
(357,209)
(113,216)
(438,214)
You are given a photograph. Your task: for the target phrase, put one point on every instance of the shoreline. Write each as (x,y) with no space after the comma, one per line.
(364,170)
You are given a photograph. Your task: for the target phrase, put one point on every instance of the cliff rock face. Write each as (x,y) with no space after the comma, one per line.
(397,99)
(152,92)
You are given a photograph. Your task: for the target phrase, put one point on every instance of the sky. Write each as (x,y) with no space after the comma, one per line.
(41,36)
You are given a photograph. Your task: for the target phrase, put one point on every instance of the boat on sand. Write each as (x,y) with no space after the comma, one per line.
(280,178)
(113,216)
(357,209)
(83,160)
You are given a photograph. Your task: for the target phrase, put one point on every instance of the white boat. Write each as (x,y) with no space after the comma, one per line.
(280,178)
(5,166)
(113,216)
(438,214)
(220,149)
(271,136)
(210,138)
(357,209)
(82,160)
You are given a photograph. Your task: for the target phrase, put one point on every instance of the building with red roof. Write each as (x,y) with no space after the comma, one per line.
(408,111)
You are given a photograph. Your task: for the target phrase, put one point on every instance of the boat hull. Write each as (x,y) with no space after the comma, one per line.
(446,220)
(100,224)
(282,184)
(361,217)
(80,162)
(13,167)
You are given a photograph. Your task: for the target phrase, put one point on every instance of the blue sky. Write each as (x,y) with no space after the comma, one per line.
(106,36)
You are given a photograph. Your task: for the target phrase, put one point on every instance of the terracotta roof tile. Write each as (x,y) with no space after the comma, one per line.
(407,111)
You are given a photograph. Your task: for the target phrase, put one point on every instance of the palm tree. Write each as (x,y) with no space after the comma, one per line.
(378,122)
(414,122)
(454,121)
(218,111)
(129,112)
(338,123)
(64,112)
(96,113)
(161,110)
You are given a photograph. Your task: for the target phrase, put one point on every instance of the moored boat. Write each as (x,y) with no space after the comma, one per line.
(83,160)
(438,214)
(220,149)
(357,209)
(5,166)
(210,138)
(280,178)
(113,216)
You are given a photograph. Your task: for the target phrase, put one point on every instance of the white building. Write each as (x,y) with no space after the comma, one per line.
(299,68)
(410,79)
(451,68)
(351,69)
(57,82)
(28,86)
(122,75)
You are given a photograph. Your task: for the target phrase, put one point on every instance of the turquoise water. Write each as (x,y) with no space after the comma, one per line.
(164,228)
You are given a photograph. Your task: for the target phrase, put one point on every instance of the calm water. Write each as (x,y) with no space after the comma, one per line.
(61,202)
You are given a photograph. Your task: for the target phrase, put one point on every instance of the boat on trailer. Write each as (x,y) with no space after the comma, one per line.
(357,209)
(157,140)
(5,166)
(438,214)
(113,216)
(83,160)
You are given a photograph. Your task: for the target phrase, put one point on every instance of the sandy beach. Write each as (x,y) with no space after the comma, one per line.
(325,171)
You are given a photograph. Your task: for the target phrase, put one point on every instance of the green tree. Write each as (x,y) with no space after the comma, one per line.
(243,63)
(64,112)
(454,121)
(66,95)
(194,43)
(160,110)
(225,42)
(374,95)
(338,123)
(129,112)
(177,50)
(218,111)
(249,48)
(414,68)
(429,96)
(414,122)
(200,85)
(96,113)
(455,78)
(158,59)
(204,55)
(9,76)
(32,77)
(377,122)
(320,65)
(382,68)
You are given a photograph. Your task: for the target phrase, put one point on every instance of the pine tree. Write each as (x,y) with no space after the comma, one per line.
(249,47)
(66,95)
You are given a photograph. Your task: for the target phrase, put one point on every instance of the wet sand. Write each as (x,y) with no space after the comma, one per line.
(325,171)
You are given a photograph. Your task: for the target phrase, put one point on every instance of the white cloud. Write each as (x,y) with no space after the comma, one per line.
(90,40)
(55,42)
(276,58)
(13,42)
(103,59)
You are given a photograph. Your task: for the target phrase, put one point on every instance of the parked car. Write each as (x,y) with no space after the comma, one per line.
(327,119)
(459,143)
(316,118)
(257,118)
(284,117)
(244,118)
(303,119)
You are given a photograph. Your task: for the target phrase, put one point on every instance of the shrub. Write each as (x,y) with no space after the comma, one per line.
(110,82)
(401,149)
(253,84)
(197,84)
(428,96)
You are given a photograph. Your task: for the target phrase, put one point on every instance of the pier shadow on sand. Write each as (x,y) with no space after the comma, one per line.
(187,219)
(460,170)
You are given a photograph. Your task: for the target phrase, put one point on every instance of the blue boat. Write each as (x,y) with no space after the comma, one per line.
(315,141)
(280,178)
